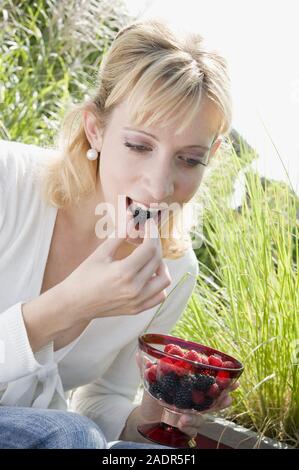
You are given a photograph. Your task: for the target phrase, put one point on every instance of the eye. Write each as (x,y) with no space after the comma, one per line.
(137,148)
(192,162)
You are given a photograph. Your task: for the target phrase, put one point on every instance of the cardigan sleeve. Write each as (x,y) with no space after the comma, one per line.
(17,166)
(16,356)
(109,400)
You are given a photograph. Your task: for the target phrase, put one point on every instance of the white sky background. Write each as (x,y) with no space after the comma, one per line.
(260,39)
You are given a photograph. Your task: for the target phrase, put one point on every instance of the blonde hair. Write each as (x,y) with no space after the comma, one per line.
(164,78)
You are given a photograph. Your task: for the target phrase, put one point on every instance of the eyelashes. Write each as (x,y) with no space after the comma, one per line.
(191,162)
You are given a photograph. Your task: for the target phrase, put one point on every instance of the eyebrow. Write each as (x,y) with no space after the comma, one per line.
(155,138)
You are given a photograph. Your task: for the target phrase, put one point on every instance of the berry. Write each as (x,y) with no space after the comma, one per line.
(203,382)
(155,391)
(213,391)
(198,397)
(148,363)
(215,360)
(223,374)
(168,347)
(169,398)
(169,382)
(166,365)
(205,405)
(203,359)
(183,398)
(223,379)
(176,351)
(182,368)
(228,364)
(192,356)
(150,374)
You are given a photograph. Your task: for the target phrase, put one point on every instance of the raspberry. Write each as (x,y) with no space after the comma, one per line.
(213,391)
(223,379)
(192,355)
(148,363)
(215,361)
(150,374)
(223,374)
(198,397)
(176,351)
(168,347)
(181,368)
(203,359)
(166,365)
(228,364)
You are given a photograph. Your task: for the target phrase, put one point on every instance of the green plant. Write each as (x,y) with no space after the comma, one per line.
(50,51)
(248,304)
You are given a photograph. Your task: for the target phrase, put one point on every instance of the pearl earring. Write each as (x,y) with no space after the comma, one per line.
(92,154)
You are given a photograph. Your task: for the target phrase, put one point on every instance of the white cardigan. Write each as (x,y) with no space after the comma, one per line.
(99,366)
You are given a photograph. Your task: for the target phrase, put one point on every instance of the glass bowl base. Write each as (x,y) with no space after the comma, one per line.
(166,435)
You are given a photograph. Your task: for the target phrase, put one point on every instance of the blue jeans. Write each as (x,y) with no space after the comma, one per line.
(31,428)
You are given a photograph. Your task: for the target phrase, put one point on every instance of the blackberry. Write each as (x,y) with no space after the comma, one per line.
(169,382)
(183,399)
(140,215)
(203,382)
(155,390)
(183,396)
(167,385)
(169,398)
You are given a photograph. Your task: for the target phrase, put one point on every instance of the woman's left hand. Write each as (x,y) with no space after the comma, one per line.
(151,410)
(190,423)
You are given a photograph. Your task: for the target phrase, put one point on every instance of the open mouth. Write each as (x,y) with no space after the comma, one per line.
(141,215)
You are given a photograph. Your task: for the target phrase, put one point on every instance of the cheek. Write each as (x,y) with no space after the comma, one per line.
(189,184)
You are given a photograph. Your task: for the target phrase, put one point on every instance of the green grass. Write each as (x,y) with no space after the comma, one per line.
(50,51)
(246,301)
(248,304)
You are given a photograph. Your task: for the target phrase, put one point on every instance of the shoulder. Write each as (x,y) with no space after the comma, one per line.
(19,160)
(19,173)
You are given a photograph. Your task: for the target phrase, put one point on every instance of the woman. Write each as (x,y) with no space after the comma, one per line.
(75,294)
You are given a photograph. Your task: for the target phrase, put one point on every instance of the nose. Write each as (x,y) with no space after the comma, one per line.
(159,182)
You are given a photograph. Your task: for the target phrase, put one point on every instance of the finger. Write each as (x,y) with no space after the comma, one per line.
(156,285)
(144,252)
(109,246)
(223,403)
(146,273)
(155,269)
(114,240)
(152,301)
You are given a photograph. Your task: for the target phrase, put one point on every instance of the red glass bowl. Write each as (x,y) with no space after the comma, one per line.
(187,377)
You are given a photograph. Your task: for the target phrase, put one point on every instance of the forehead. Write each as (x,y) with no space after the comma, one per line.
(204,125)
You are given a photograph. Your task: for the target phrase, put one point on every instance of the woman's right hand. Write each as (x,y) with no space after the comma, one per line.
(104,287)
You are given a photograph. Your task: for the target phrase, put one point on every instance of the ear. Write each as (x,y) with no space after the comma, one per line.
(92,129)
(215,146)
